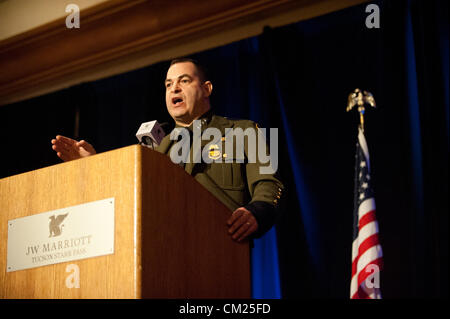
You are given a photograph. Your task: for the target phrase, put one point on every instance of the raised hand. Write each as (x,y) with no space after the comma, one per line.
(69,149)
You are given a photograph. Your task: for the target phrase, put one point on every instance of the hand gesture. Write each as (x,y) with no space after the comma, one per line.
(69,149)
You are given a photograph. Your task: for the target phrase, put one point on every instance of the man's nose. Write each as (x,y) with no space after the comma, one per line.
(175,88)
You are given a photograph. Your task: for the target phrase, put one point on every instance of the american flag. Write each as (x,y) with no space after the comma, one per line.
(367,255)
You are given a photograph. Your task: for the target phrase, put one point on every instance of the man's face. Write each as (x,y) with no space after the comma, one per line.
(186,95)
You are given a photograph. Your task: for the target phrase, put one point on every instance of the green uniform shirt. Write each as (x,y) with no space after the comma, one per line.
(234,184)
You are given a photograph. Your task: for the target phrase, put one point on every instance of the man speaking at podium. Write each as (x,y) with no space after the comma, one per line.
(253,197)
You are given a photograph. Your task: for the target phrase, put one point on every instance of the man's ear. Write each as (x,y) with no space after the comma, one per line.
(207,86)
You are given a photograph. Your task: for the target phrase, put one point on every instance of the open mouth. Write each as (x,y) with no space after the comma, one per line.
(176,101)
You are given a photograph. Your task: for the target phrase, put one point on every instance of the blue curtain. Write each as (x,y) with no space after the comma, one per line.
(297,78)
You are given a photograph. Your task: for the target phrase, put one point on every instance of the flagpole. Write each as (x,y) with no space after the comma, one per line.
(360,98)
(367,255)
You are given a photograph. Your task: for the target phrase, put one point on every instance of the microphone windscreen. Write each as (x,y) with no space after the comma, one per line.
(152,130)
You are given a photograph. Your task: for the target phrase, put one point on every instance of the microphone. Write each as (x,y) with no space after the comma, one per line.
(150,134)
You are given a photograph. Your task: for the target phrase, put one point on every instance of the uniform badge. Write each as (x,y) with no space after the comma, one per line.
(214,152)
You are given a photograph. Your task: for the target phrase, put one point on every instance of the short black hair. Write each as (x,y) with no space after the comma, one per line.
(202,72)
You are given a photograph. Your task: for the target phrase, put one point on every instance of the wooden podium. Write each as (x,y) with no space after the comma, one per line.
(170,233)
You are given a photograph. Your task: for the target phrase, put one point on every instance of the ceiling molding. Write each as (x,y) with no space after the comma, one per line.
(118,30)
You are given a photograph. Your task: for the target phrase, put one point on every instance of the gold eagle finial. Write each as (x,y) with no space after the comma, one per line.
(360,98)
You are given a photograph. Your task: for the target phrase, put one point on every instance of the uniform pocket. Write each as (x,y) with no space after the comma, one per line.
(227,175)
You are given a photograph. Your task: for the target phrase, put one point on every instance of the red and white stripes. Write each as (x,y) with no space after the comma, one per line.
(367,255)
